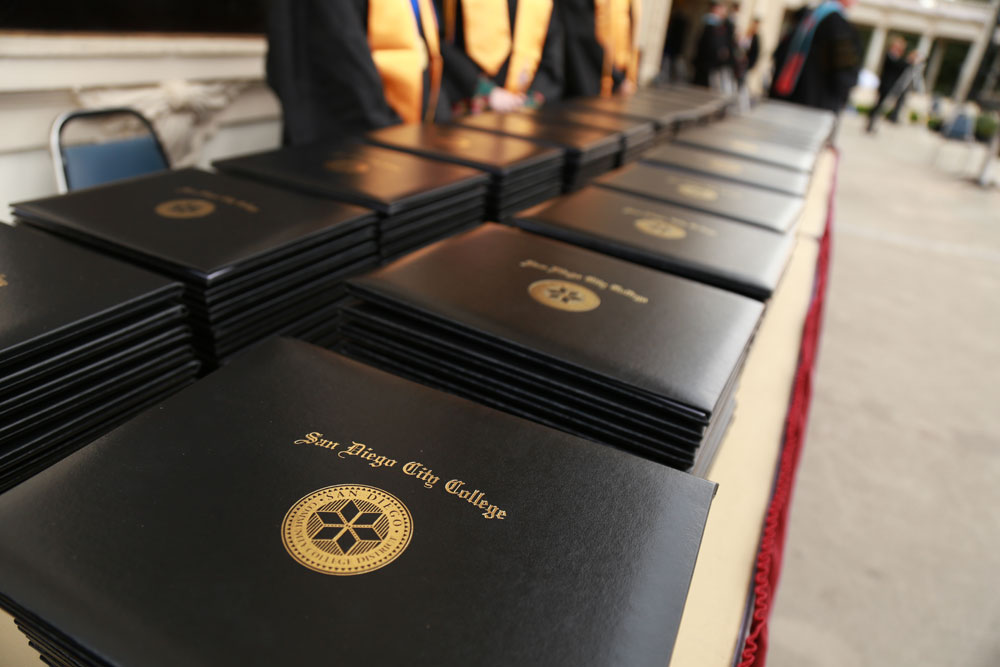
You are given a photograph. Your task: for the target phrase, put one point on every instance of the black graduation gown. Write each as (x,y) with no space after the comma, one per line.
(831,67)
(320,66)
(712,51)
(462,74)
(584,54)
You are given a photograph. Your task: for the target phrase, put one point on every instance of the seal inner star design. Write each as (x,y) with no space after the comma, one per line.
(348,527)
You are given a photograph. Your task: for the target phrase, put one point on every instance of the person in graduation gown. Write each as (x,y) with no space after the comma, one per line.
(501,54)
(602,52)
(712,51)
(822,60)
(343,67)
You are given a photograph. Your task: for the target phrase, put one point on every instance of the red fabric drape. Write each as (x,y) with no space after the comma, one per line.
(772,543)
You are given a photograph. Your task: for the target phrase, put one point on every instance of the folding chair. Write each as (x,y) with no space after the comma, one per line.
(90,158)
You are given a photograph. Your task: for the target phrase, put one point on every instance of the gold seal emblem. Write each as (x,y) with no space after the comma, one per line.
(347,529)
(564,295)
(347,166)
(663,229)
(697,191)
(185,208)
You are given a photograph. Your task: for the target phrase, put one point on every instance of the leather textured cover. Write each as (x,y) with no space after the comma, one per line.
(578,116)
(52,290)
(713,250)
(385,180)
(496,154)
(733,141)
(752,127)
(729,168)
(191,221)
(662,334)
(212,529)
(744,203)
(571,137)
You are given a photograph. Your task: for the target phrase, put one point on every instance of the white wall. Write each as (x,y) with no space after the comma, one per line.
(206,97)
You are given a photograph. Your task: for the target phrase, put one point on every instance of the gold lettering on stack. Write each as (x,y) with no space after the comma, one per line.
(358,449)
(476,498)
(297,538)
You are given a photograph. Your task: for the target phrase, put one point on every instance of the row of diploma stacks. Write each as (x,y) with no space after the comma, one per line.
(497,459)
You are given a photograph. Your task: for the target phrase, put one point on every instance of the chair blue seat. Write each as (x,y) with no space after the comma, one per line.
(94,164)
(84,165)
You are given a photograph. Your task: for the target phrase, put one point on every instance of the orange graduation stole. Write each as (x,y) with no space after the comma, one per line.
(616,24)
(489,40)
(401,56)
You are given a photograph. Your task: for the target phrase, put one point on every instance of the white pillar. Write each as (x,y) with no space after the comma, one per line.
(975,55)
(925,43)
(873,58)
(934,65)
(652,32)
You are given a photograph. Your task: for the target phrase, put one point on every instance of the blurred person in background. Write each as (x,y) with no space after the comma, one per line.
(912,78)
(821,59)
(893,66)
(672,68)
(501,54)
(712,53)
(788,27)
(734,70)
(750,44)
(343,68)
(602,46)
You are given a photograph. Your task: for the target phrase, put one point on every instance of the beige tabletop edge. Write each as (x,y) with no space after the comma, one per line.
(745,465)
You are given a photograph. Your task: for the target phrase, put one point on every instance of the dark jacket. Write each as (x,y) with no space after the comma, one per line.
(320,66)
(831,66)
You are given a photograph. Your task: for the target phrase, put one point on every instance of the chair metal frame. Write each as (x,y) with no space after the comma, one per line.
(59,124)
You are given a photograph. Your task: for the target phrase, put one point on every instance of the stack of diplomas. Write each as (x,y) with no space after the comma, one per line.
(713,250)
(255,260)
(727,167)
(522,173)
(590,344)
(743,203)
(418,200)
(87,341)
(590,151)
(665,112)
(778,146)
(818,123)
(636,134)
(298,508)
(702,102)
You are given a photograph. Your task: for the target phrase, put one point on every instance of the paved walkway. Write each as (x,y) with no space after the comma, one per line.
(893,556)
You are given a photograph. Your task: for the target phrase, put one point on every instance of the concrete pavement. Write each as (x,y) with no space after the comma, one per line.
(893,553)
